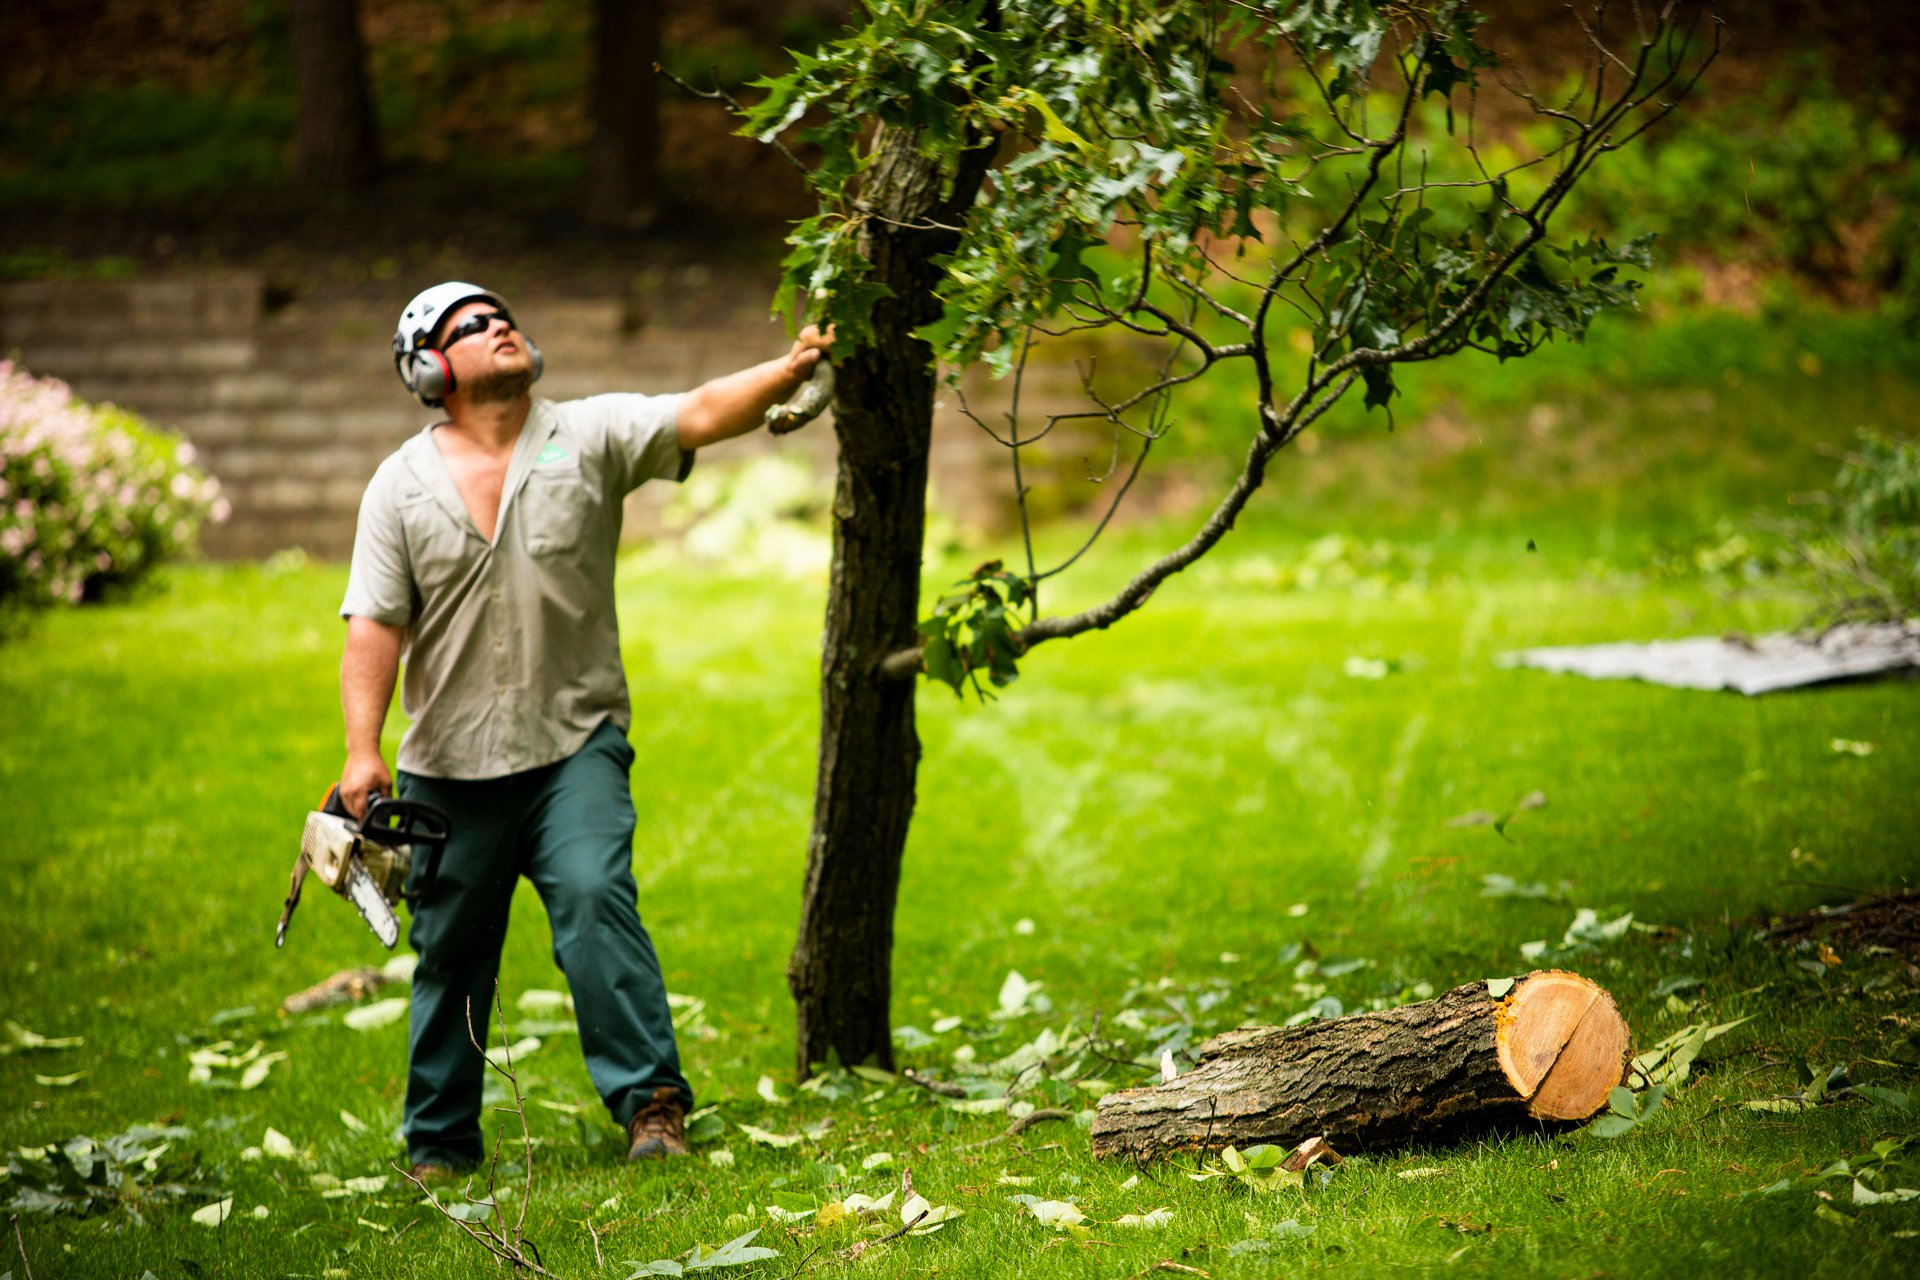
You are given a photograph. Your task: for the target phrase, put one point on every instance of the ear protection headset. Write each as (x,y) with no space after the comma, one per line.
(423,367)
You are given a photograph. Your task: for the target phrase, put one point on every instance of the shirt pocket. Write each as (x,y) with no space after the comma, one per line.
(437,548)
(559,507)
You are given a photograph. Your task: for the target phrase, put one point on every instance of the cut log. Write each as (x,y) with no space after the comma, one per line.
(1546,1051)
(349,986)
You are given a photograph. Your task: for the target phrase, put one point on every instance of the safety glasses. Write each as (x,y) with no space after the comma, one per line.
(479,323)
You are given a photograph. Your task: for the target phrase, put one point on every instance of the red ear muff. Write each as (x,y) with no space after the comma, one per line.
(432,377)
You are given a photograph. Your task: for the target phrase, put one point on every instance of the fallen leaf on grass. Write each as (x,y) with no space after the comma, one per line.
(1851,747)
(1671,1060)
(278,1145)
(256,1073)
(1284,1230)
(1261,1168)
(1427,1171)
(767,1090)
(1052,1213)
(253,1064)
(1627,1110)
(352,1121)
(1311,1152)
(767,1138)
(736,1252)
(501,1055)
(541,1003)
(59,1082)
(1474,818)
(1158,1218)
(15,1038)
(1019,996)
(214,1214)
(922,1217)
(378,1014)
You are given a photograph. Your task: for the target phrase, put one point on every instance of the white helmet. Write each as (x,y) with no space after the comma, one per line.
(422,367)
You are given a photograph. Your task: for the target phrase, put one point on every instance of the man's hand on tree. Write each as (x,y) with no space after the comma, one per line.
(364,772)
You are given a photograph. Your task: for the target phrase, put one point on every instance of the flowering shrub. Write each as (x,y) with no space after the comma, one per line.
(89,494)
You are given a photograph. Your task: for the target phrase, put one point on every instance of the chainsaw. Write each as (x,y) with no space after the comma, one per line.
(368,862)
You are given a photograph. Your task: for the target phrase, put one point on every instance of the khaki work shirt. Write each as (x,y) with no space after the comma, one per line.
(513,649)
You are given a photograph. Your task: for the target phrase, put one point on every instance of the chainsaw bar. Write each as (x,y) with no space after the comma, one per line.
(372,906)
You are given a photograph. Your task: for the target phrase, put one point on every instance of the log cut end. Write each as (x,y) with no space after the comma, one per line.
(1562,1044)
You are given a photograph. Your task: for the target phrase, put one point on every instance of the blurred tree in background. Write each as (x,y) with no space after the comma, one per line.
(335,146)
(142,131)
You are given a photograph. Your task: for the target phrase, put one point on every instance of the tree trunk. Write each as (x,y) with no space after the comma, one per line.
(623,162)
(1549,1050)
(335,146)
(841,971)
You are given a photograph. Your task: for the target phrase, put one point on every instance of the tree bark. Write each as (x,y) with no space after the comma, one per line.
(841,970)
(335,147)
(1547,1051)
(623,160)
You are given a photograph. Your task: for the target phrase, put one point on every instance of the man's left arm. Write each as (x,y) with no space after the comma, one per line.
(737,403)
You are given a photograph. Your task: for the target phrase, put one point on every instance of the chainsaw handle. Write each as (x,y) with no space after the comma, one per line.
(393,821)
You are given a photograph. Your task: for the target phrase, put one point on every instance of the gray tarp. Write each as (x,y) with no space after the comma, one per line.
(1750,665)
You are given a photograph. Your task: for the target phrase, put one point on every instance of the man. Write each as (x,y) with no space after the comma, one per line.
(485,556)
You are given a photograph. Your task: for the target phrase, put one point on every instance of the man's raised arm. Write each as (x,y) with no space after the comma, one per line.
(368,668)
(735,404)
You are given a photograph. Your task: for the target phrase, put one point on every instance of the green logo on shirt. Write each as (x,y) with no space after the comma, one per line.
(552,453)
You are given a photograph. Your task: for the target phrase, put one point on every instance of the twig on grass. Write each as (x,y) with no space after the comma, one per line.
(803,1264)
(1021,1125)
(939,1088)
(513,1247)
(20,1242)
(859,1247)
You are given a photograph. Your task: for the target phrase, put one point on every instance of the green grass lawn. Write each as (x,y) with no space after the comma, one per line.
(1153,819)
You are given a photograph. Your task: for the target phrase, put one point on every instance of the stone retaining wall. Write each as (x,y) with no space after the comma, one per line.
(293,406)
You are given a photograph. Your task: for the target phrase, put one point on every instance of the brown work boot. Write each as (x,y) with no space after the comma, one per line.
(655,1131)
(428,1171)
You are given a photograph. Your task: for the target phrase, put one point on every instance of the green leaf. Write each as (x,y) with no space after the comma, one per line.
(1499,987)
(658,1267)
(736,1252)
(768,1138)
(1883,1096)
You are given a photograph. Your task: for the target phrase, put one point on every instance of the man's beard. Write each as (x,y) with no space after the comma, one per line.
(497,385)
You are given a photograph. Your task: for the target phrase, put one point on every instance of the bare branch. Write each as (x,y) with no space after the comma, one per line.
(1136,593)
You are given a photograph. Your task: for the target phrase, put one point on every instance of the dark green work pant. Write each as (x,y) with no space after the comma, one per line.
(568,827)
